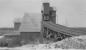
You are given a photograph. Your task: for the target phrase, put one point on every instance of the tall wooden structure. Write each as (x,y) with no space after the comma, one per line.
(52,31)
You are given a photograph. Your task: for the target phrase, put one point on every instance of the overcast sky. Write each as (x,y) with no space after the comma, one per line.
(69,12)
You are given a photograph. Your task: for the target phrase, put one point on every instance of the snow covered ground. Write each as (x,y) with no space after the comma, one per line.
(66,44)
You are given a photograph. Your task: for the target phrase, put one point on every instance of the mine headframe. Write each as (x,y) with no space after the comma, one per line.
(48,13)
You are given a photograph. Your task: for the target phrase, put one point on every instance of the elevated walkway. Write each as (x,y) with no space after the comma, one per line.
(63,29)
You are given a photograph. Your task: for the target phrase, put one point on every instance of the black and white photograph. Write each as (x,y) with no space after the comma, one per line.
(42,24)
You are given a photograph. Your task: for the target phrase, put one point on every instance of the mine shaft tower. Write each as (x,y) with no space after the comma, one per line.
(49,29)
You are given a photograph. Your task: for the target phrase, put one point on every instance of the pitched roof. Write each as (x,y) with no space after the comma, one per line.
(30,23)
